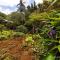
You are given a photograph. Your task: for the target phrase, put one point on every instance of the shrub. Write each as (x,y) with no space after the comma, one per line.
(22,28)
(5,34)
(29,39)
(55,23)
(19,34)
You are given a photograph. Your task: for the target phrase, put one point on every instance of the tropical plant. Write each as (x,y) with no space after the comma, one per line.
(22,28)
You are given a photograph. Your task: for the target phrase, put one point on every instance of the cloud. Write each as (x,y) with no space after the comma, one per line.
(28,2)
(8,6)
(6,11)
(9,2)
(38,1)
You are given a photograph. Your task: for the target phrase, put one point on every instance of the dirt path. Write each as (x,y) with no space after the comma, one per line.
(13,47)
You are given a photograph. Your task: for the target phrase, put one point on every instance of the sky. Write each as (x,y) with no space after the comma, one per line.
(8,6)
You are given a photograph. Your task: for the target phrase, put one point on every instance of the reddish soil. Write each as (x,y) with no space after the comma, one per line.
(13,47)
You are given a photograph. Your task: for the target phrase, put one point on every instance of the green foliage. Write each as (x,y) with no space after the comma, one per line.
(59,48)
(19,34)
(5,34)
(55,23)
(55,19)
(42,21)
(29,39)
(28,23)
(52,13)
(38,45)
(22,28)
(39,16)
(50,57)
(2,15)
(1,25)
(15,17)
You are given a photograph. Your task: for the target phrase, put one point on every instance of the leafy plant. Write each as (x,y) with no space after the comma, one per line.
(50,57)
(22,28)
(18,34)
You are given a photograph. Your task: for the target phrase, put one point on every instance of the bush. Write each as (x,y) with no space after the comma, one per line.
(39,16)
(22,28)
(55,23)
(19,34)
(37,43)
(29,39)
(5,34)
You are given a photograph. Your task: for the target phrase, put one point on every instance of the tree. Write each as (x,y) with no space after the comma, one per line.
(21,9)
(35,7)
(43,6)
(28,7)
(32,7)
(21,6)
(40,7)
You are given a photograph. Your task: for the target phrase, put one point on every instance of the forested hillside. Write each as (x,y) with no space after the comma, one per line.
(36,27)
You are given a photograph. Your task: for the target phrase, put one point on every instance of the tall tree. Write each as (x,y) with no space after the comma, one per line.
(21,9)
(32,7)
(28,7)
(21,6)
(35,7)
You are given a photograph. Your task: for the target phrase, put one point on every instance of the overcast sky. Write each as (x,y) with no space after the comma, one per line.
(8,6)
